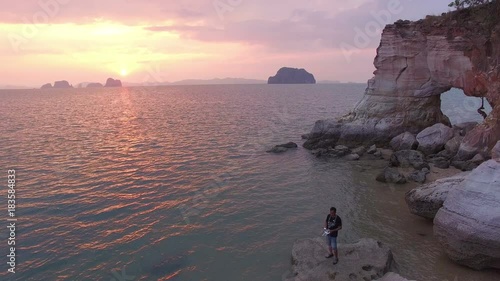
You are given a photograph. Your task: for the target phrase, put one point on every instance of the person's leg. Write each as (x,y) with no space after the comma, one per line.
(330,249)
(334,248)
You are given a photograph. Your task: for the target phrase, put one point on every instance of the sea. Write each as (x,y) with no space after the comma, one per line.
(174,183)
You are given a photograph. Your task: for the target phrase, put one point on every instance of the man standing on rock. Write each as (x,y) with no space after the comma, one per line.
(334,224)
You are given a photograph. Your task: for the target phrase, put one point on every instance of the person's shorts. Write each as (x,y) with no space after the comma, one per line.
(331,242)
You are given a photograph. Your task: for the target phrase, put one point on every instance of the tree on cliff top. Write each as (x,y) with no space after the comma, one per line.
(460,4)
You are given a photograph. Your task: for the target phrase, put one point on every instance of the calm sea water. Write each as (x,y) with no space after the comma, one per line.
(173,183)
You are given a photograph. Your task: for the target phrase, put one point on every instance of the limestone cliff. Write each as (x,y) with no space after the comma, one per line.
(416,62)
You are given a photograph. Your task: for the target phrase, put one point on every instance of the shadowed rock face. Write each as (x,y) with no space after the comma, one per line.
(287,75)
(416,62)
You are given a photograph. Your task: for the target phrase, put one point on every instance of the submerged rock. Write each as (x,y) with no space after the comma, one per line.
(364,260)
(468,224)
(282,147)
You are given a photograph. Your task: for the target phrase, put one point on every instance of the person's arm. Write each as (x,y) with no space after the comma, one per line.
(326,222)
(340,225)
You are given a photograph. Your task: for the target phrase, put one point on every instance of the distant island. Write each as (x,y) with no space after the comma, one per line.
(288,75)
(95,85)
(113,83)
(63,84)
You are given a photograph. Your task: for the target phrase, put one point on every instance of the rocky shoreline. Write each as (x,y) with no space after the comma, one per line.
(399,119)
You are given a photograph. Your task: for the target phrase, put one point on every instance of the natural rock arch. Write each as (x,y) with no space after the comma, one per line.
(416,62)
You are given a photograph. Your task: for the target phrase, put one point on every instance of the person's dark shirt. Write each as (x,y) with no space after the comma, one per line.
(332,223)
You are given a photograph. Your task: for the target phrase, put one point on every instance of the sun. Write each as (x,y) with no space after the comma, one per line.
(124,72)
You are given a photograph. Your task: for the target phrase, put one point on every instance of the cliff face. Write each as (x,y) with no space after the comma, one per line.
(287,75)
(416,62)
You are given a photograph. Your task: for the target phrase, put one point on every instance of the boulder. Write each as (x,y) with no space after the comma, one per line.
(378,154)
(359,150)
(440,162)
(352,157)
(464,165)
(478,159)
(341,150)
(372,149)
(113,83)
(404,141)
(288,75)
(418,176)
(426,200)
(468,224)
(433,139)
(453,145)
(288,145)
(364,260)
(391,175)
(408,158)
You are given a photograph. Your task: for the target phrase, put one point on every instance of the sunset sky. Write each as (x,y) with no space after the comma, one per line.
(160,41)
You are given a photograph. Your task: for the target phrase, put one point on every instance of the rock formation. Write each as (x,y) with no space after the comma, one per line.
(287,75)
(367,259)
(468,224)
(62,84)
(113,83)
(416,62)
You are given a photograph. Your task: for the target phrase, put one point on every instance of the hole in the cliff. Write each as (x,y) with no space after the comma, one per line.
(461,108)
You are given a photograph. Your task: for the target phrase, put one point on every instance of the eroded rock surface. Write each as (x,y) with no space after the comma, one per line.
(468,224)
(367,259)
